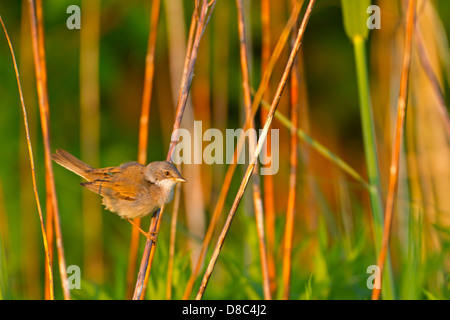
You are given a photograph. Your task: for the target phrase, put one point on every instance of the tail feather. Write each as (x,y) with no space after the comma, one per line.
(70,162)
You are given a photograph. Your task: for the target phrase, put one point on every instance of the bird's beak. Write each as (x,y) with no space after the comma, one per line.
(180,179)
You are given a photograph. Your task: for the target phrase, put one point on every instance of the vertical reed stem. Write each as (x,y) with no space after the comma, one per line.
(173,233)
(290,212)
(143,132)
(231,168)
(268,192)
(41,77)
(49,272)
(261,140)
(259,215)
(394,168)
(90,134)
(184,91)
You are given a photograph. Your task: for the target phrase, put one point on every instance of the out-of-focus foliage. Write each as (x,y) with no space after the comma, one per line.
(333,241)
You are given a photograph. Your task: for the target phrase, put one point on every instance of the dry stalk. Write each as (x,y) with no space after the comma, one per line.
(173,232)
(143,132)
(49,208)
(212,225)
(290,212)
(261,140)
(49,280)
(259,215)
(90,135)
(268,188)
(154,227)
(231,168)
(394,168)
(274,57)
(41,77)
(188,74)
(155,219)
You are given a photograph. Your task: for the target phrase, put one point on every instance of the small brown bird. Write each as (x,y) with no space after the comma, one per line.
(131,190)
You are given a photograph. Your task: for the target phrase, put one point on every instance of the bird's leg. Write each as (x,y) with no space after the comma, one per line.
(148,235)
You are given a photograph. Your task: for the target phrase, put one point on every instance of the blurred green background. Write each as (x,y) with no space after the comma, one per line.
(330,255)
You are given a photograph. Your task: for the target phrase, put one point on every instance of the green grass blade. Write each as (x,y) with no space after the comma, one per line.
(369,136)
(354,14)
(371,158)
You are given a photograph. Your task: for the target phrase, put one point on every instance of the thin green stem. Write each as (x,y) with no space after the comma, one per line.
(370,150)
(368,135)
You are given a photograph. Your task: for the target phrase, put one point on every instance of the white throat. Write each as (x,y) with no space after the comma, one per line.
(167,186)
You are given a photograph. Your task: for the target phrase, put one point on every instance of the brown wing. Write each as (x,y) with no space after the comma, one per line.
(101,173)
(125,182)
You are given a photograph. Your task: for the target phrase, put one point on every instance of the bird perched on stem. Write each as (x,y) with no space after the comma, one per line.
(131,190)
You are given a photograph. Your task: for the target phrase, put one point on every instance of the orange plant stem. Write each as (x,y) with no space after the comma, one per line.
(41,77)
(256,181)
(394,168)
(143,132)
(49,272)
(231,168)
(261,140)
(290,212)
(188,74)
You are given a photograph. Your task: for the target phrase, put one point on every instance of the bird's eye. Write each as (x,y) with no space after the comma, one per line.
(166,173)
